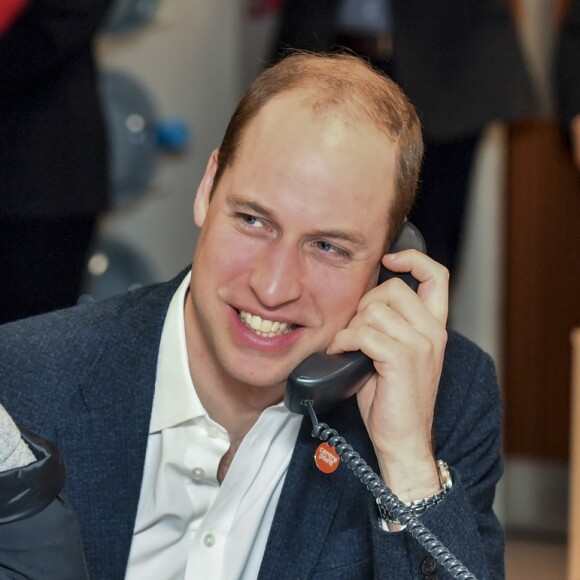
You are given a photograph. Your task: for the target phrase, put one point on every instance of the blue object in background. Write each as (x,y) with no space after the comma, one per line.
(129,15)
(137,135)
(173,135)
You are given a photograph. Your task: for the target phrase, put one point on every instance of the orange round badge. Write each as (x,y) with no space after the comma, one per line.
(326,458)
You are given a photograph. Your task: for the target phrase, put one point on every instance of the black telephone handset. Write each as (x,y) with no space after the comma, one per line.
(326,380)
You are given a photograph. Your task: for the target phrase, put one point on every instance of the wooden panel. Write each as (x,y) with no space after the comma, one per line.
(542,290)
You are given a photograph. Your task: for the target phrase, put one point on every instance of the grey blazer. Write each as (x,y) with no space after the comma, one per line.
(84,378)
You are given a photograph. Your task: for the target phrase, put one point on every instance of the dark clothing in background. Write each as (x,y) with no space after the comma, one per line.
(53,154)
(567,66)
(461,66)
(442,196)
(44,262)
(39,533)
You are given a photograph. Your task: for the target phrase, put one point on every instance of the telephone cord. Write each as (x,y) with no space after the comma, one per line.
(394,506)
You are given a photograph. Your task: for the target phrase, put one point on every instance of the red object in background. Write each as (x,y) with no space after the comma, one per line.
(264,7)
(9,11)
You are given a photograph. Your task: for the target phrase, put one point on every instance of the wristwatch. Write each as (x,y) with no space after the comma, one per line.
(420,506)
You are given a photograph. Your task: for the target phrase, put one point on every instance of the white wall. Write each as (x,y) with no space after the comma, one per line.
(188,59)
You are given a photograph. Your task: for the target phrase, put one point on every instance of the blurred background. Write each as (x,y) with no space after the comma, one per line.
(170,74)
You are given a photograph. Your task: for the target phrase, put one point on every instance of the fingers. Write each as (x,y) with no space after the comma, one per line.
(392,311)
(403,332)
(387,336)
(433,280)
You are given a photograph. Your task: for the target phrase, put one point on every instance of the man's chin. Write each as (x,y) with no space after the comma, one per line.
(263,371)
(274,382)
(264,376)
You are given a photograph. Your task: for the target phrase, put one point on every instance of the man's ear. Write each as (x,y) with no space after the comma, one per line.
(202,197)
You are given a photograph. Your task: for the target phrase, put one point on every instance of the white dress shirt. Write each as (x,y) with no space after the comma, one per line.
(187,525)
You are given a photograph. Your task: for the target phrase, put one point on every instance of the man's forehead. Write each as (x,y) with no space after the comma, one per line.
(334,121)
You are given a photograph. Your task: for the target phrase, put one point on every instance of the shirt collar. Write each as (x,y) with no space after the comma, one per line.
(175,399)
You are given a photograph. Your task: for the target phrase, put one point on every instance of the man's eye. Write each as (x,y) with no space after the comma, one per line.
(251,220)
(330,249)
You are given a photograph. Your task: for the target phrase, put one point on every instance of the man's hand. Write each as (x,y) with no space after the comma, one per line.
(404,333)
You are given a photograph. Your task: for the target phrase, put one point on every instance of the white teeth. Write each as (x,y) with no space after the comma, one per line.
(261,327)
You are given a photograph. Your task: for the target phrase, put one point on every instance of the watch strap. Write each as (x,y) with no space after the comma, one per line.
(420,506)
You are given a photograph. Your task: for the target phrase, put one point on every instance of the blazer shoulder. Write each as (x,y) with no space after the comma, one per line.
(468,383)
(62,330)
(45,356)
(463,356)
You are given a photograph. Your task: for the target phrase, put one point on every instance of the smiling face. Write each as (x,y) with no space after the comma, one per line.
(290,240)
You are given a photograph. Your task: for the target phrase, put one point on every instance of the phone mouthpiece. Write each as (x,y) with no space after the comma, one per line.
(326,380)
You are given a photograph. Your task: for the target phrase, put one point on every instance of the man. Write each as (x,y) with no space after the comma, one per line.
(166,403)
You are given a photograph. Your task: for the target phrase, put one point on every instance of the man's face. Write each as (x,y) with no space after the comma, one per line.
(290,241)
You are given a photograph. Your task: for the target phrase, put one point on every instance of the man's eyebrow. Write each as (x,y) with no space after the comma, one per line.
(241,203)
(344,235)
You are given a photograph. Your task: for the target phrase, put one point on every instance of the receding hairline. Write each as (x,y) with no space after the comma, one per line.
(349,86)
(340,82)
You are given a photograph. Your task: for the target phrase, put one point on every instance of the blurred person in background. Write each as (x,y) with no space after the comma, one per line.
(459,63)
(567,70)
(53,154)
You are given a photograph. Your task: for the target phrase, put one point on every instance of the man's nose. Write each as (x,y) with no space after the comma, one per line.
(277,277)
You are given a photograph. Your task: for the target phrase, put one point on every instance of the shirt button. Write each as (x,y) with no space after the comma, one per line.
(197,473)
(209,540)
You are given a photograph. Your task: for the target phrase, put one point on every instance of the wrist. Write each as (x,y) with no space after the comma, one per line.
(412,479)
(419,506)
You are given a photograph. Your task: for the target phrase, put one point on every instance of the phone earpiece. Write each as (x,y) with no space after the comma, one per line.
(408,238)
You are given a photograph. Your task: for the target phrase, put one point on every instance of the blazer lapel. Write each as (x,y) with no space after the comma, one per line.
(309,500)
(105,439)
